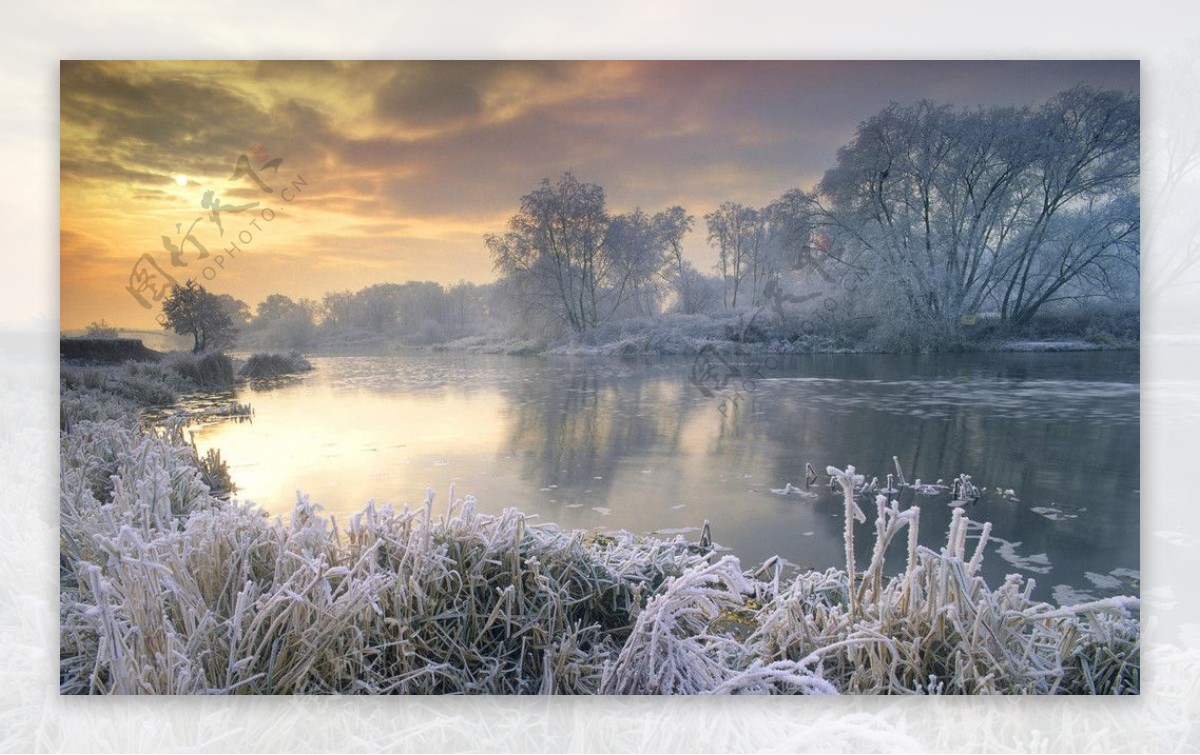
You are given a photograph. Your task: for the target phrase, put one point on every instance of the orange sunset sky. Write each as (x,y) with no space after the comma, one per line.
(394,171)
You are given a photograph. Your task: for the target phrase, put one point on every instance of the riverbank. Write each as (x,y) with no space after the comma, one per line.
(748,333)
(652,345)
(206,370)
(169,589)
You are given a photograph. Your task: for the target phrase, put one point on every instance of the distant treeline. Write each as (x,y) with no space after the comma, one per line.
(413,312)
(935,227)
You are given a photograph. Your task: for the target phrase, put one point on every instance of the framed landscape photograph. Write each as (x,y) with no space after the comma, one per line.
(604,377)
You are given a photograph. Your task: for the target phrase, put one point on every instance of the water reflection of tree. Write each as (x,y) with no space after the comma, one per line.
(571,424)
(585,423)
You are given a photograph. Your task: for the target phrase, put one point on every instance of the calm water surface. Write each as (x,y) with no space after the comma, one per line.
(609,445)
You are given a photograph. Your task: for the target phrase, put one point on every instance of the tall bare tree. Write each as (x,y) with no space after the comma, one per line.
(574,261)
(672,225)
(1003,208)
(736,232)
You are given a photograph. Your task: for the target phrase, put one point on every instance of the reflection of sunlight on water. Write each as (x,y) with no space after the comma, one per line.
(337,445)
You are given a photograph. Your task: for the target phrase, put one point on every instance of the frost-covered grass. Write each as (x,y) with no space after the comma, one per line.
(140,384)
(509,345)
(168,589)
(760,330)
(743,331)
(819,329)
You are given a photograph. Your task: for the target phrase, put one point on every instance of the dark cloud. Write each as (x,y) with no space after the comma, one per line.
(146,128)
(155,121)
(670,129)
(105,170)
(445,93)
(303,70)
(424,98)
(681,124)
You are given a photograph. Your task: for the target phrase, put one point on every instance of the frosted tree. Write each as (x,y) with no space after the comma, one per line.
(284,322)
(337,309)
(555,247)
(238,310)
(695,292)
(466,304)
(672,225)
(1004,208)
(574,262)
(637,253)
(736,232)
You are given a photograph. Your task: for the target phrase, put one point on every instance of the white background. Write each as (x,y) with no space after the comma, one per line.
(34,36)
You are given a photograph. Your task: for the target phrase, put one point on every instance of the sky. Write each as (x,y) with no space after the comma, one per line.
(304,177)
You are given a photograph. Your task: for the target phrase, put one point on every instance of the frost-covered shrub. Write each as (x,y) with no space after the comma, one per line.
(274,365)
(676,648)
(209,370)
(938,628)
(143,390)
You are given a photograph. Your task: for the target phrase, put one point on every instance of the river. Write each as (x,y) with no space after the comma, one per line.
(659,446)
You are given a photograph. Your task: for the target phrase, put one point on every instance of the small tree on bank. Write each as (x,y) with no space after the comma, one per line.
(101,329)
(191,310)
